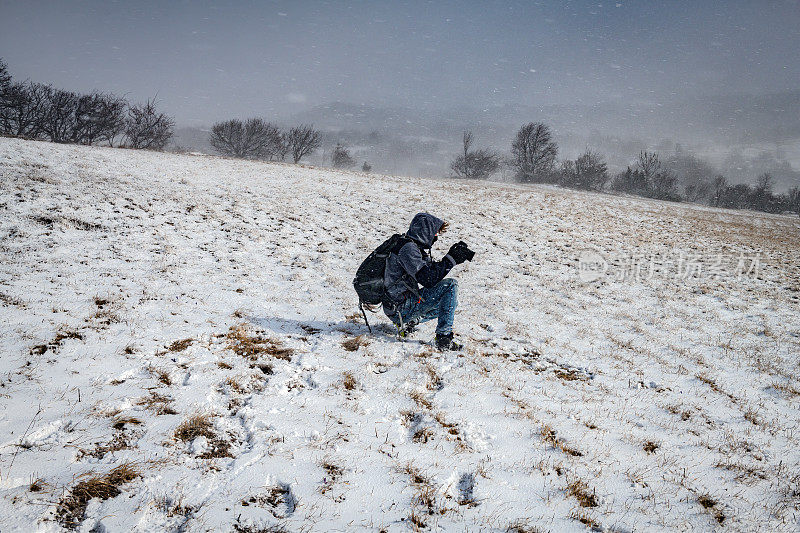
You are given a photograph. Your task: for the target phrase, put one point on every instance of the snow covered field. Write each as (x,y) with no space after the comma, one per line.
(181,351)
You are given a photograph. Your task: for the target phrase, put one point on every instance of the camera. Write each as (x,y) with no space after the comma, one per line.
(470,254)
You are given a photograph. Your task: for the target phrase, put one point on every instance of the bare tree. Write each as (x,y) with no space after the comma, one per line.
(461,165)
(282,146)
(99,118)
(24,110)
(648,164)
(59,120)
(589,171)
(534,153)
(793,199)
(762,192)
(302,140)
(146,128)
(5,79)
(474,164)
(718,185)
(341,157)
(663,186)
(253,139)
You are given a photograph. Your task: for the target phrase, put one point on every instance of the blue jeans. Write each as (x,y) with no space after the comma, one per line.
(439,301)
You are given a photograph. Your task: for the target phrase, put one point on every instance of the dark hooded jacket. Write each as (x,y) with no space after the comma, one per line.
(412,265)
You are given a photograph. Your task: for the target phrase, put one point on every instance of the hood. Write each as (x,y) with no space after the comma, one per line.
(423,228)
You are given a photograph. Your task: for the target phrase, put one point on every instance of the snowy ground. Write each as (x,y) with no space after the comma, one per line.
(630,365)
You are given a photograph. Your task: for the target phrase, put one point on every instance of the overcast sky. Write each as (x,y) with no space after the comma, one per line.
(208,61)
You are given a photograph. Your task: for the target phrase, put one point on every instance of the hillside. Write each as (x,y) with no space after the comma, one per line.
(179,337)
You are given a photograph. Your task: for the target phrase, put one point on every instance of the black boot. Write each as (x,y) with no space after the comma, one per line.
(446,342)
(407,328)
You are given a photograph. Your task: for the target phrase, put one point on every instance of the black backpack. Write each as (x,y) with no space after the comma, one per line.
(368,282)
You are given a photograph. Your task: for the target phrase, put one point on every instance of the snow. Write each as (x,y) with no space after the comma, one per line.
(632,402)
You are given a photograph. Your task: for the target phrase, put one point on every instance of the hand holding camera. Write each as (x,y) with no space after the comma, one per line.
(460,252)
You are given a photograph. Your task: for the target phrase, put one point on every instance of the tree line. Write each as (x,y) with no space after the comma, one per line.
(256,138)
(34,110)
(533,159)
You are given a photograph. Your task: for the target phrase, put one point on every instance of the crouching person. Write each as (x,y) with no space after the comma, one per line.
(406,304)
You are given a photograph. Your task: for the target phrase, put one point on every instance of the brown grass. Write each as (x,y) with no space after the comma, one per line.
(788,389)
(121,421)
(119,441)
(72,506)
(710,504)
(549,436)
(223,365)
(161,375)
(349,381)
(580,491)
(569,375)
(520,526)
(586,520)
(351,345)
(752,416)
(57,341)
(332,474)
(420,399)
(158,403)
(450,427)
(252,347)
(414,474)
(200,425)
(195,426)
(650,446)
(434,379)
(179,346)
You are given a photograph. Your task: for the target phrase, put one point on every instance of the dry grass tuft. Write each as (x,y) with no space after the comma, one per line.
(786,388)
(121,421)
(420,399)
(179,346)
(119,441)
(252,347)
(158,403)
(57,341)
(549,436)
(349,381)
(435,382)
(71,508)
(161,375)
(37,485)
(710,504)
(422,434)
(332,474)
(195,426)
(586,520)
(650,446)
(351,345)
(578,489)
(417,522)
(200,425)
(243,528)
(751,416)
(520,526)
(415,475)
(266,368)
(706,501)
(235,386)
(223,365)
(569,375)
